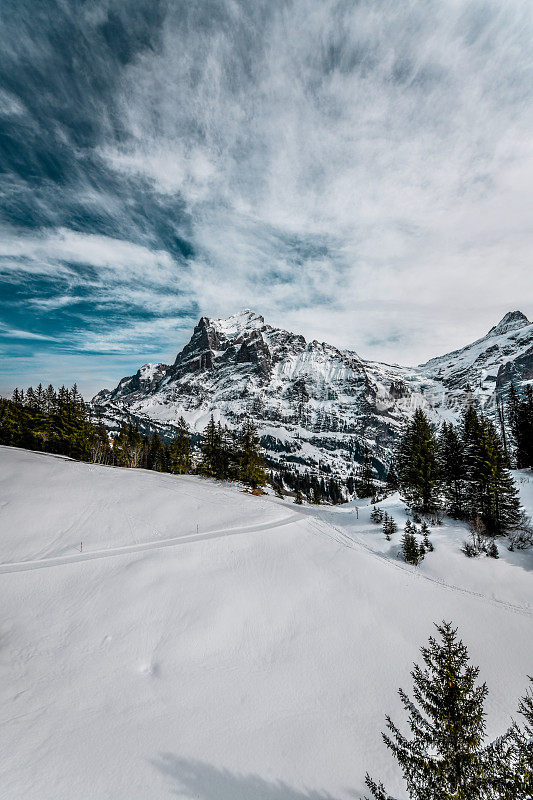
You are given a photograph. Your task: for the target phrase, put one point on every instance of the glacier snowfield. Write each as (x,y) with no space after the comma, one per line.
(171,637)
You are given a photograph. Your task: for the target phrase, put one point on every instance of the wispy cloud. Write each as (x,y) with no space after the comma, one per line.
(361,172)
(13,333)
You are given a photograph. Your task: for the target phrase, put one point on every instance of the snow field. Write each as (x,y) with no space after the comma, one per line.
(256,664)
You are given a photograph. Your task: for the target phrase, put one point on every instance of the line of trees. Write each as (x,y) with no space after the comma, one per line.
(463,471)
(55,421)
(59,422)
(314,488)
(131,448)
(232,455)
(445,755)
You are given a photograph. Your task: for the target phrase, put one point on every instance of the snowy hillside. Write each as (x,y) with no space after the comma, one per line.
(214,645)
(314,404)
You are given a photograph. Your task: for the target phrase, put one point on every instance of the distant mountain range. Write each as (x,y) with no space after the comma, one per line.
(314,404)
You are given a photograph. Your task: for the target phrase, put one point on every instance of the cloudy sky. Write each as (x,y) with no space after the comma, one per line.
(357,171)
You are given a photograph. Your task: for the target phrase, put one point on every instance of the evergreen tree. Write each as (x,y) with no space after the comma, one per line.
(389,526)
(391,480)
(523,751)
(316,493)
(128,446)
(180,451)
(365,484)
(210,450)
(510,758)
(469,434)
(452,469)
(156,455)
(494,496)
(410,550)
(57,423)
(520,415)
(444,758)
(251,463)
(376,515)
(335,492)
(417,464)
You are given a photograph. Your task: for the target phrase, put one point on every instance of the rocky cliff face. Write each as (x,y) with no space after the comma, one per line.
(314,404)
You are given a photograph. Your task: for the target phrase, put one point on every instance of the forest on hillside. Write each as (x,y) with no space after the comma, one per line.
(461,470)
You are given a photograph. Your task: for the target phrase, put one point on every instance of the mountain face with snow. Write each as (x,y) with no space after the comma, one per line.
(315,405)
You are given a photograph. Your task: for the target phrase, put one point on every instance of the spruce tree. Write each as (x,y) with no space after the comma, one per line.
(389,526)
(180,451)
(410,550)
(251,463)
(376,515)
(365,484)
(156,454)
(417,464)
(494,496)
(510,757)
(444,757)
(452,469)
(210,450)
(523,748)
(391,480)
(520,415)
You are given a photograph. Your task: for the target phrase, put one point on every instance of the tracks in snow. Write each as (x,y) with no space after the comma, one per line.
(76,558)
(324,527)
(346,540)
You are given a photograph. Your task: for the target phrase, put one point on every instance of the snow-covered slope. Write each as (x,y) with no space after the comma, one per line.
(214,645)
(314,404)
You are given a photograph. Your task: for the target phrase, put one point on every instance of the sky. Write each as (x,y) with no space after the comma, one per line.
(359,172)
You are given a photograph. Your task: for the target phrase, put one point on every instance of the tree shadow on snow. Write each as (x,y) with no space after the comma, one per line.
(196,779)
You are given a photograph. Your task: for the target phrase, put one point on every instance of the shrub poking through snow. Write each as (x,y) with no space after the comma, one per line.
(521,536)
(478,534)
(492,550)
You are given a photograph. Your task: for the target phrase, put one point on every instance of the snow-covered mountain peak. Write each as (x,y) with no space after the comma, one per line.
(239,323)
(314,403)
(512,321)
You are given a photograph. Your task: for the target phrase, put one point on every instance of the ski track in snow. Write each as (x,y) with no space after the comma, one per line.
(318,521)
(232,668)
(140,547)
(353,543)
